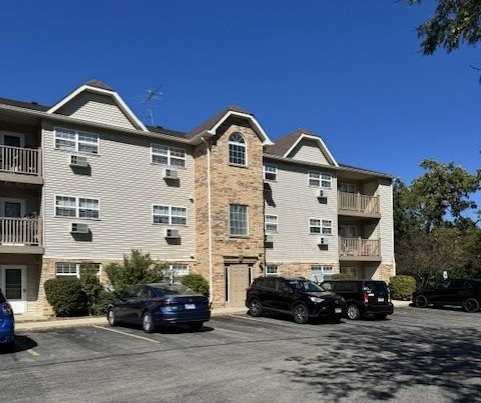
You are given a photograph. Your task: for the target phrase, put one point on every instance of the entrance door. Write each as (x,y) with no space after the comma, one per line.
(238,281)
(14,286)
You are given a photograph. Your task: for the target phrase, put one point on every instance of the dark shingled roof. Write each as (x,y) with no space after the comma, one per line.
(213,121)
(161,130)
(31,105)
(281,146)
(99,84)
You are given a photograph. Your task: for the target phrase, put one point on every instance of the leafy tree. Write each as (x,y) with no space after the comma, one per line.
(138,268)
(91,286)
(454,22)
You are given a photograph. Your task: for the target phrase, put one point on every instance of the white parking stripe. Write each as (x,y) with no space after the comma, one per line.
(126,334)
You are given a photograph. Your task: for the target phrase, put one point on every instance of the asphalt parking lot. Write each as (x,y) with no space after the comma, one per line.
(417,355)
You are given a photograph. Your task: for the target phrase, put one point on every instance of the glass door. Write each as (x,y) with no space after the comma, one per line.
(14,287)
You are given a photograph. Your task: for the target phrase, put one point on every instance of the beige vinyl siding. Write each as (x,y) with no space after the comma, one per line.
(309,151)
(96,108)
(127,185)
(295,202)
(386,223)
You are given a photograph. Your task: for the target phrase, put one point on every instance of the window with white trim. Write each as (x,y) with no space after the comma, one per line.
(271,223)
(177,271)
(237,149)
(238,220)
(74,140)
(272,270)
(270,172)
(347,188)
(165,155)
(77,207)
(318,226)
(169,215)
(321,273)
(74,269)
(320,179)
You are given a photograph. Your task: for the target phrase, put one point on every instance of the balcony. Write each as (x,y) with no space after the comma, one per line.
(358,204)
(20,164)
(359,249)
(21,235)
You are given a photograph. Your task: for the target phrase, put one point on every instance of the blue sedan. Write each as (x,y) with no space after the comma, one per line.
(159,305)
(7,324)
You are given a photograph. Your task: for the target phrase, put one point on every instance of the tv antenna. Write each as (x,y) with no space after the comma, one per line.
(151,96)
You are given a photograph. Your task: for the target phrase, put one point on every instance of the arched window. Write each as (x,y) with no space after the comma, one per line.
(237,149)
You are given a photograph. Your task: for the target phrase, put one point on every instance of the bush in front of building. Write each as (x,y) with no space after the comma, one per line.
(137,268)
(91,286)
(104,299)
(342,276)
(402,287)
(197,283)
(66,296)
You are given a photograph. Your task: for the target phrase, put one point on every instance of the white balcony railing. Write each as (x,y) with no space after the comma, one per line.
(358,202)
(20,231)
(19,160)
(359,247)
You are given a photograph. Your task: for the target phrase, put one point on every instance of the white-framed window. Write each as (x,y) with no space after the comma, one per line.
(321,273)
(169,215)
(349,270)
(348,188)
(271,223)
(270,172)
(73,269)
(272,270)
(177,271)
(77,207)
(74,140)
(238,220)
(319,226)
(165,155)
(237,149)
(320,179)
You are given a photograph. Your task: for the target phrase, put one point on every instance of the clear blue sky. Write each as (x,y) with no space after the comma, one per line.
(350,71)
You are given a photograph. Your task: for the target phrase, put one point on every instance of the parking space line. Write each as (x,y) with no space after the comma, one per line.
(126,334)
(31,351)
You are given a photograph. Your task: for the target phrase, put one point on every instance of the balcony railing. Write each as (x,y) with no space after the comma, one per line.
(359,247)
(357,202)
(19,160)
(20,231)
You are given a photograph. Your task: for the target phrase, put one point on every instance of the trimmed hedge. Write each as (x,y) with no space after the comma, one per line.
(343,276)
(197,283)
(66,296)
(402,287)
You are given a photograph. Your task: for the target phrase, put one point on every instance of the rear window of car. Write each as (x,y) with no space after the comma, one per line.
(173,289)
(305,286)
(375,286)
(344,286)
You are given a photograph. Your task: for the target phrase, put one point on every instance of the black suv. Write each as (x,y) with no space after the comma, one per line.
(296,296)
(364,298)
(465,293)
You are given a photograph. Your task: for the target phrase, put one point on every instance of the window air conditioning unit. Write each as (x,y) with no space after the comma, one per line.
(79,228)
(323,241)
(269,239)
(170,174)
(78,161)
(321,193)
(171,233)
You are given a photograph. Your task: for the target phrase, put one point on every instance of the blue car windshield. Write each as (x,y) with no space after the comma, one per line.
(305,286)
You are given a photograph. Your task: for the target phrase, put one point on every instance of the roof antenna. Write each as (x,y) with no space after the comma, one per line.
(152,95)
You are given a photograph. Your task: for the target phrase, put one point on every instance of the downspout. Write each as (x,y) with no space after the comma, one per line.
(209,220)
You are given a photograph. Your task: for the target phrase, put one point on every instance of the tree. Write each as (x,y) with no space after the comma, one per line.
(454,22)
(138,268)
(91,286)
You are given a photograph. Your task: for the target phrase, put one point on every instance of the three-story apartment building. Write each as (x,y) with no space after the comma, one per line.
(85,182)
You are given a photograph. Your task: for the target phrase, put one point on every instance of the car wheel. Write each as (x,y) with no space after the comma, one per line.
(421,301)
(300,314)
(353,312)
(380,316)
(255,307)
(111,318)
(471,305)
(196,326)
(147,322)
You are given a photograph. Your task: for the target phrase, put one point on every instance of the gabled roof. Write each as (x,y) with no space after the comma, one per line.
(213,124)
(284,146)
(98,87)
(20,104)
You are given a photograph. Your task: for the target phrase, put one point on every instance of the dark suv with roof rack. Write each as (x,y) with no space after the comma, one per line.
(364,298)
(295,296)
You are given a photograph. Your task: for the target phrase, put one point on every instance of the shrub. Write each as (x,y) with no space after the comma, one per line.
(343,276)
(104,299)
(91,286)
(402,287)
(197,283)
(66,296)
(138,268)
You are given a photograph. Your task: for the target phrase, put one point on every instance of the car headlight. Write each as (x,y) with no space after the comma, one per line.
(316,299)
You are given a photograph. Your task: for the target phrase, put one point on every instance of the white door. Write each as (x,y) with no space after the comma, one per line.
(14,286)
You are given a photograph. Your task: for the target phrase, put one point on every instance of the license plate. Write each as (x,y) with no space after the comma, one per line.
(337,310)
(380,300)
(189,306)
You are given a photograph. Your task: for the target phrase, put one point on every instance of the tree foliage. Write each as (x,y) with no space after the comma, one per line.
(137,268)
(91,286)
(454,22)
